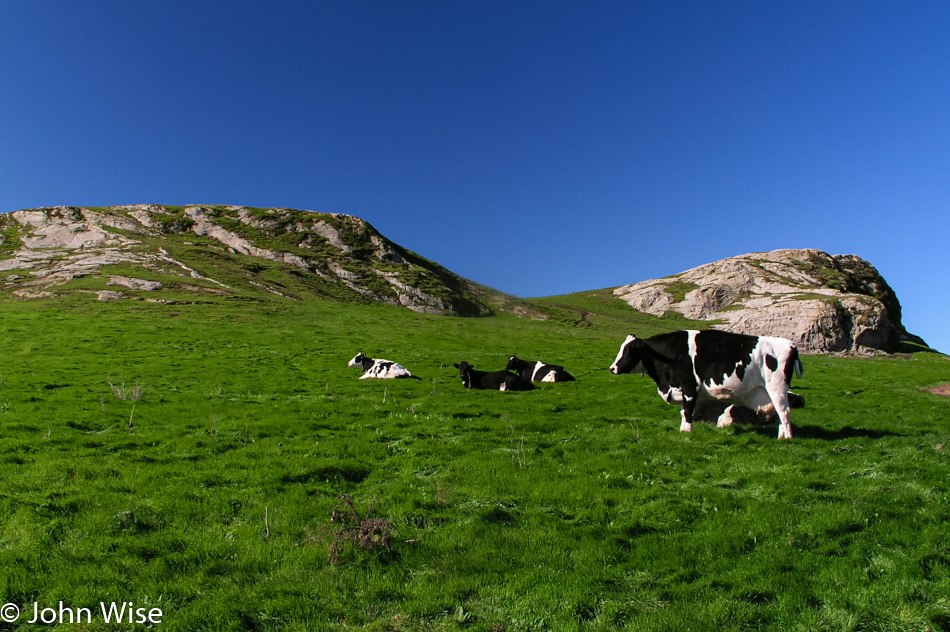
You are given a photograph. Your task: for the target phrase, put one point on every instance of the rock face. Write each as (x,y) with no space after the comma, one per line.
(824,303)
(222,250)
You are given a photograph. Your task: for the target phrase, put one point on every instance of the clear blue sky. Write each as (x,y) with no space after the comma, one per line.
(535,147)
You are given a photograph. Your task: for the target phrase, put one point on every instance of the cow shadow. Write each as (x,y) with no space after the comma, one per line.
(818,432)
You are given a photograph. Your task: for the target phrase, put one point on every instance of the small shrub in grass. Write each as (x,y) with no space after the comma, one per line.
(126,393)
(367,533)
(131,393)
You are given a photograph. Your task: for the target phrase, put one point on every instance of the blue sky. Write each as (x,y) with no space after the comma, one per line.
(536,147)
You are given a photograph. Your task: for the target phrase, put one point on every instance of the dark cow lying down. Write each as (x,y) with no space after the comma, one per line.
(496,380)
(750,371)
(384,369)
(538,371)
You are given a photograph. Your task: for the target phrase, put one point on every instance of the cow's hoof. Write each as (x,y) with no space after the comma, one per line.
(725,419)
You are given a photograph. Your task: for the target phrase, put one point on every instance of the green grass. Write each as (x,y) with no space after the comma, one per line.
(9,238)
(679,290)
(609,315)
(577,506)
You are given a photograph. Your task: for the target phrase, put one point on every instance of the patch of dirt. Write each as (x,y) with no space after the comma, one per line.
(943,389)
(583,312)
(522,311)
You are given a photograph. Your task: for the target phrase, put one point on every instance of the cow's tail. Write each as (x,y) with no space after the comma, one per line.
(794,365)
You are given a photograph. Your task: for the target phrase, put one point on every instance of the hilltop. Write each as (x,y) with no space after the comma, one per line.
(824,303)
(192,253)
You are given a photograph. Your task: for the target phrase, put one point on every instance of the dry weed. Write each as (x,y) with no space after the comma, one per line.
(367,533)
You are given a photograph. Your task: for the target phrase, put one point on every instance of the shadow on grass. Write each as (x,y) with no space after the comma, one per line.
(817,432)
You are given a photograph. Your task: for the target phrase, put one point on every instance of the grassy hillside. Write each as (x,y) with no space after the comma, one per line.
(246,254)
(203,479)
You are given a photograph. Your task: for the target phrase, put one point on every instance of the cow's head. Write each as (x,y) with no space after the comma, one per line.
(513,363)
(361,361)
(465,372)
(630,357)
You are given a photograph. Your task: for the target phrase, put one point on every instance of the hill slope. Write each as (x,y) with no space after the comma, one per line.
(184,254)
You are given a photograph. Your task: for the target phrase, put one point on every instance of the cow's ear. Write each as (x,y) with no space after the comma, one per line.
(456,366)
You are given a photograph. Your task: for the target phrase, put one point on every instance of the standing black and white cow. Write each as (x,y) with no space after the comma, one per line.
(747,370)
(384,369)
(538,371)
(495,380)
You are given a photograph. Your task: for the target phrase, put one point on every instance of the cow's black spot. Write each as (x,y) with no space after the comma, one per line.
(771,362)
(790,365)
(718,353)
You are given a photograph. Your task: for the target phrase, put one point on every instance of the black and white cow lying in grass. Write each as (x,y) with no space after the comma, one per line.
(383,369)
(495,380)
(538,371)
(750,371)
(712,410)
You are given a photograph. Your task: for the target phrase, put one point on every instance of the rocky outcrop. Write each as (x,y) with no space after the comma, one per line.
(57,245)
(824,303)
(330,255)
(135,284)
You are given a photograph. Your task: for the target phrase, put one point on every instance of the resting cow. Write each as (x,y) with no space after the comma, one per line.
(712,410)
(538,371)
(496,380)
(383,369)
(750,371)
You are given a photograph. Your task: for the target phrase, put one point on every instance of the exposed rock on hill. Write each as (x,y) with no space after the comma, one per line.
(237,252)
(824,303)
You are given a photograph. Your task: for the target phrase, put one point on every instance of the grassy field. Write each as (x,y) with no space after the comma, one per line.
(189,458)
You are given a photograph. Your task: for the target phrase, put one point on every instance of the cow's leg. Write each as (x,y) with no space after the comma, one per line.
(689,405)
(784,423)
(685,426)
(779,396)
(725,419)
